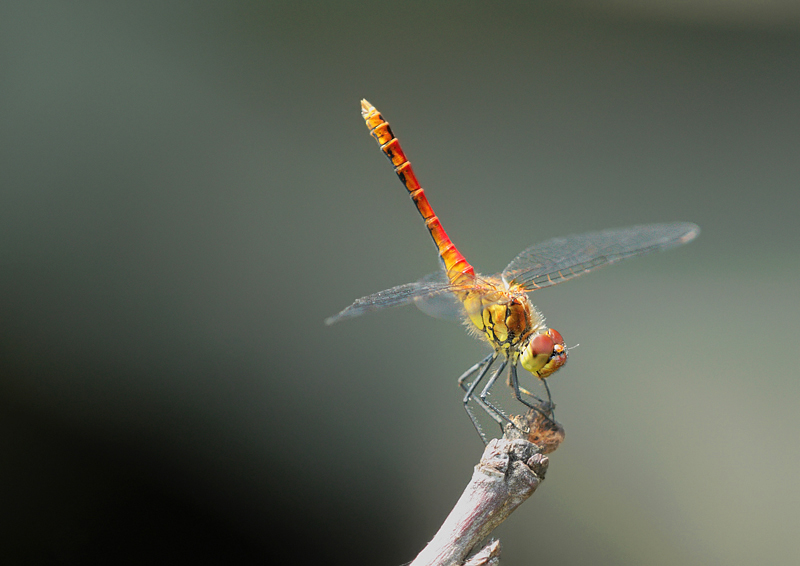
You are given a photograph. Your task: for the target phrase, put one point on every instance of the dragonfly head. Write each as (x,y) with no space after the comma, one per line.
(544,353)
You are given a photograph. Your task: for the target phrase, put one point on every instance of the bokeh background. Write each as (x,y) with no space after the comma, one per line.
(188,190)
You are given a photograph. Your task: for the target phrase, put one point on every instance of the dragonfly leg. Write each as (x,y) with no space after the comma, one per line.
(482,368)
(484,402)
(470,388)
(512,376)
(549,397)
(528,393)
(471,371)
(518,394)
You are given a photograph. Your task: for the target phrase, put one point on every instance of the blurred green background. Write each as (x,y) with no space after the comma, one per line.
(188,190)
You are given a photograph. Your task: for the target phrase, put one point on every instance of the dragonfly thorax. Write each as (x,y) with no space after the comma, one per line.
(505,318)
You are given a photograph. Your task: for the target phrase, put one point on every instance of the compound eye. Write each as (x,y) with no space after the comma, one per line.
(559,356)
(556,336)
(537,353)
(542,345)
(544,354)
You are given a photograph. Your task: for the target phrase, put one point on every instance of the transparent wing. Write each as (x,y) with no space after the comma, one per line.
(557,260)
(442,305)
(432,294)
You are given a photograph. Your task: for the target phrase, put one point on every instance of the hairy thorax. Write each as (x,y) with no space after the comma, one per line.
(503,316)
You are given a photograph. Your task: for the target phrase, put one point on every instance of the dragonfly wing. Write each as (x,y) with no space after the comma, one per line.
(559,259)
(442,304)
(394,297)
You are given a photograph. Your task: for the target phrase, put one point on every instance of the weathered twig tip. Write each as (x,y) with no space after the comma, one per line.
(543,431)
(510,470)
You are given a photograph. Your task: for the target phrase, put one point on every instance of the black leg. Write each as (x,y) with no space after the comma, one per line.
(515,386)
(464,376)
(482,368)
(549,397)
(503,420)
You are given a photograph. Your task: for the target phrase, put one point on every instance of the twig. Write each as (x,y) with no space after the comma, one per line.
(509,471)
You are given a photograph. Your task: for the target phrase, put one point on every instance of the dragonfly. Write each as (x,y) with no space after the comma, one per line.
(497,308)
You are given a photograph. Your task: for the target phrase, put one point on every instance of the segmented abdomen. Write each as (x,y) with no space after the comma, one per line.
(459,271)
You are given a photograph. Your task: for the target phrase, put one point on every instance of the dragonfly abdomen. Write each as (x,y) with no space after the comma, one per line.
(458,269)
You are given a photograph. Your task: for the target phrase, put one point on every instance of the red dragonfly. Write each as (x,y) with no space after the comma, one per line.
(497,308)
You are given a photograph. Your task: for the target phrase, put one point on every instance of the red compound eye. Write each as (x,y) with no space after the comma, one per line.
(556,336)
(544,354)
(542,345)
